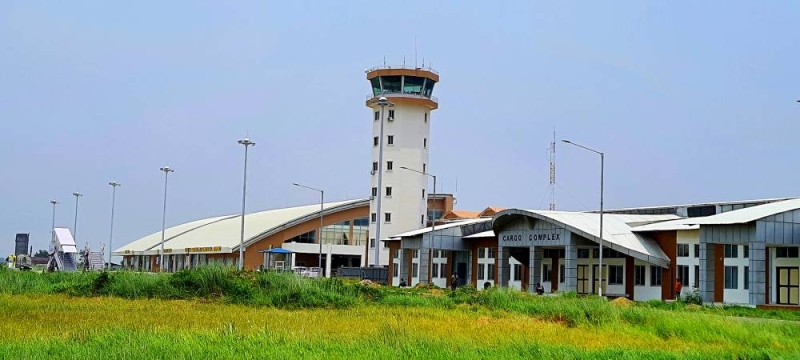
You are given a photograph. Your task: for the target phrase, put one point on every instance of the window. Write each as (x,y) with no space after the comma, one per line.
(389,165)
(374,217)
(425,143)
(385,244)
(517,272)
(731,277)
(783,252)
(413,85)
(375,141)
(562,274)
(415,270)
(481,271)
(390,139)
(388,191)
(697,276)
(396,253)
(372,243)
(490,253)
(655,275)
(583,253)
(374,166)
(490,271)
(377,115)
(731,251)
(546,268)
(387,217)
(421,220)
(639,275)
(697,250)
(683,250)
(396,270)
(415,254)
(683,274)
(435,271)
(425,168)
(615,275)
(746,251)
(746,277)
(374,191)
(423,193)
(426,118)
(391,114)
(481,253)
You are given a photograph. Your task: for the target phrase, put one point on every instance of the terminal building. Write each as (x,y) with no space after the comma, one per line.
(732,252)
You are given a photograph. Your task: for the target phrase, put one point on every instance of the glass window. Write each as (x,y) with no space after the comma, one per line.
(697,250)
(683,274)
(375,141)
(583,253)
(697,276)
(415,270)
(426,118)
(731,277)
(639,275)
(562,273)
(746,250)
(435,271)
(391,114)
(425,168)
(731,251)
(387,217)
(546,268)
(683,250)
(423,193)
(391,84)
(517,272)
(615,275)
(491,253)
(428,91)
(385,244)
(783,252)
(490,271)
(415,254)
(374,166)
(307,238)
(746,277)
(390,139)
(421,220)
(413,85)
(372,243)
(389,165)
(481,271)
(374,217)
(388,191)
(396,270)
(481,253)
(376,86)
(655,275)
(374,191)
(377,115)
(425,143)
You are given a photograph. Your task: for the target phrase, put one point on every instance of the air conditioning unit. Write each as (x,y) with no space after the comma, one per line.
(391,118)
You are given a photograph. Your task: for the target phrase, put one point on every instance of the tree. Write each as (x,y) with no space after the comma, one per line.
(41,254)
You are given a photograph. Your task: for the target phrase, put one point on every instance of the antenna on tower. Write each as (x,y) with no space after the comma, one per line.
(552,154)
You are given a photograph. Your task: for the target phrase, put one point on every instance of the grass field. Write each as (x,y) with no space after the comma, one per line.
(72,316)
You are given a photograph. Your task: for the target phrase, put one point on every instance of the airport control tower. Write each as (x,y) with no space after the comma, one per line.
(398,197)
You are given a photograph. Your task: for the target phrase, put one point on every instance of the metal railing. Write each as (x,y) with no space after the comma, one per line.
(370,96)
(404,67)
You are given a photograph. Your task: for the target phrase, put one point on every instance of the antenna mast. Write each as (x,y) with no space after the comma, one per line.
(553,172)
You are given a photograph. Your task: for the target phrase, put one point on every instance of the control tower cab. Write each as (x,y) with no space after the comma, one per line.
(401,138)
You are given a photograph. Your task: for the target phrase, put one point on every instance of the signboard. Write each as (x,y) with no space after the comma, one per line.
(203,249)
(523,238)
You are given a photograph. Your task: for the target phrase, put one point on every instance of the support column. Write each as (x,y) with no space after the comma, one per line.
(758,273)
(630,276)
(570,268)
(555,273)
(503,267)
(424,266)
(707,255)
(534,268)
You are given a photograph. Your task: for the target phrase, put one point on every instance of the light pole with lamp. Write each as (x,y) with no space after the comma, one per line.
(602,161)
(382,102)
(247,143)
(321,201)
(166,170)
(53,223)
(77,195)
(114,185)
(433,222)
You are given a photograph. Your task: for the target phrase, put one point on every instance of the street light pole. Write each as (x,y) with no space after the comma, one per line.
(114,185)
(321,201)
(382,102)
(602,167)
(247,143)
(75,226)
(166,170)
(53,223)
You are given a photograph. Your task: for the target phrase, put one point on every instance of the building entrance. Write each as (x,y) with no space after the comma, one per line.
(788,286)
(583,279)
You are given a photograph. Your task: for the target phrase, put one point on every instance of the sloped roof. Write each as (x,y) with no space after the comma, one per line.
(617,231)
(746,215)
(461,214)
(224,231)
(438,227)
(490,211)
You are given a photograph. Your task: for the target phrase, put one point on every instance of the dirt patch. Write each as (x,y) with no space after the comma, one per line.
(621,301)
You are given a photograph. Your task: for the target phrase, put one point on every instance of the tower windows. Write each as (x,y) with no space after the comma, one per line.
(390,139)
(426,118)
(391,115)
(389,165)
(375,141)
(374,167)
(421,220)
(387,217)
(425,143)
(377,115)
(423,193)
(425,168)
(374,191)
(374,217)
(388,191)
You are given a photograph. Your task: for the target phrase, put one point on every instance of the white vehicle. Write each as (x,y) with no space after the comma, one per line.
(312,272)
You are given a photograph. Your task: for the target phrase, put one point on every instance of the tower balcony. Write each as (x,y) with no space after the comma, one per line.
(403,84)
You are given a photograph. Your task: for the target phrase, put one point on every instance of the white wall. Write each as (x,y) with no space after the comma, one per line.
(514,284)
(406,203)
(739,295)
(691,238)
(647,291)
(488,275)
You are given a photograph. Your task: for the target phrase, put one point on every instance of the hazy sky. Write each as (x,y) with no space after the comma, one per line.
(690,102)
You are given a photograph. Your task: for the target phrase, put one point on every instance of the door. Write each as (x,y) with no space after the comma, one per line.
(596,278)
(461,271)
(788,286)
(583,279)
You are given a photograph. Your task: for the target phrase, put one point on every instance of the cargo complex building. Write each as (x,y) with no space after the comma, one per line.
(734,252)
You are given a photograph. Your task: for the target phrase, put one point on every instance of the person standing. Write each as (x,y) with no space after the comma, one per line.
(453,281)
(678,288)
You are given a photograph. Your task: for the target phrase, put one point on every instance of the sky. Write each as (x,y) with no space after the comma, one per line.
(689,101)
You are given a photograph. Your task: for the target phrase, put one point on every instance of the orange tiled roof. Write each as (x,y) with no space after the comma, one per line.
(461,214)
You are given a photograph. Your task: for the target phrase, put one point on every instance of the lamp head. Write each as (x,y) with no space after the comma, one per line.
(246,142)
(166,169)
(566,141)
(114,183)
(53,202)
(77,194)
